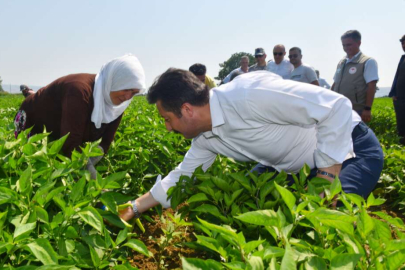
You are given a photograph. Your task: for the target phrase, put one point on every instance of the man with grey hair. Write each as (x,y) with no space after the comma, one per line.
(244,68)
(356,75)
(279,65)
(302,72)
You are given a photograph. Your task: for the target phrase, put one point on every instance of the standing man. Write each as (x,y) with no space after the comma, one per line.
(200,70)
(302,72)
(398,94)
(260,56)
(281,124)
(322,82)
(26,91)
(280,66)
(356,75)
(244,68)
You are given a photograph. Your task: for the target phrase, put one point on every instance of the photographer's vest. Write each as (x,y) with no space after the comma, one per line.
(349,81)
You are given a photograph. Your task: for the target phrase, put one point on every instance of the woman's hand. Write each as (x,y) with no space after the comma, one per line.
(126,213)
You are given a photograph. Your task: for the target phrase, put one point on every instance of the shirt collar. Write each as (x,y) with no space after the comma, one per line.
(351,59)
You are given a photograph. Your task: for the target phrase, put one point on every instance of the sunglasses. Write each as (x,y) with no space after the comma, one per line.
(293,56)
(258,56)
(278,53)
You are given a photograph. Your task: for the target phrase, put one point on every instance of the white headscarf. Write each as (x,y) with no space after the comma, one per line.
(121,73)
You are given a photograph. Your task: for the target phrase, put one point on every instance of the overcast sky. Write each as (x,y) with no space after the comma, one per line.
(43,40)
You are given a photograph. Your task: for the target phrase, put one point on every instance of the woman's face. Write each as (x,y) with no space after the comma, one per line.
(118,97)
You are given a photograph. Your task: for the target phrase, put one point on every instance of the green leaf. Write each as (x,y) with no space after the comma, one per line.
(138,246)
(220,183)
(272,252)
(199,264)
(334,219)
(92,217)
(381,230)
(43,251)
(242,180)
(288,262)
(235,265)
(108,181)
(288,197)
(122,236)
(365,224)
(25,182)
(24,230)
(260,217)
(396,260)
(3,216)
(335,188)
(71,233)
(212,244)
(252,245)
(226,231)
(108,200)
(255,263)
(94,256)
(344,261)
(210,209)
(57,145)
(42,215)
(315,263)
(397,222)
(77,191)
(199,197)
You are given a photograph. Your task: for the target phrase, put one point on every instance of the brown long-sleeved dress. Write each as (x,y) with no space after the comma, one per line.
(65,106)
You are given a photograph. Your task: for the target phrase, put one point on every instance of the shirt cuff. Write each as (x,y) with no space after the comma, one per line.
(322,160)
(159,194)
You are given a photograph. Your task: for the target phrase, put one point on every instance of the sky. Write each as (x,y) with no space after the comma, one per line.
(43,40)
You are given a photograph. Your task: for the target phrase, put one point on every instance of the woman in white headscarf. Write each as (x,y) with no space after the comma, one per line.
(87,106)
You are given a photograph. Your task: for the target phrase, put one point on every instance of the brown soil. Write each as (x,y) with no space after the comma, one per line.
(170,257)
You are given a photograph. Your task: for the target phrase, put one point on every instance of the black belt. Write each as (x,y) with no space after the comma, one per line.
(360,129)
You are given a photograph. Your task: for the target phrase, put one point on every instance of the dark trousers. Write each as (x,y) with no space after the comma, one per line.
(399,106)
(360,174)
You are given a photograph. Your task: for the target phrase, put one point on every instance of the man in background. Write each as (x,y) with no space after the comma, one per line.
(200,70)
(261,64)
(244,68)
(322,82)
(279,65)
(356,75)
(26,91)
(398,94)
(302,72)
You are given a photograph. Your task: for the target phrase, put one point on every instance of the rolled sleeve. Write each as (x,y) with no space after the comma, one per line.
(197,155)
(371,71)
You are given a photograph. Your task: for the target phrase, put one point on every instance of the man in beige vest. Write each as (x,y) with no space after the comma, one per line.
(356,75)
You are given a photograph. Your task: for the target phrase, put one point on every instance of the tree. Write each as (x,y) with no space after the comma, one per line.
(1,87)
(232,63)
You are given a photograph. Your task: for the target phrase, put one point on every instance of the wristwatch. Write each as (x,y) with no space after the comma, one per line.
(326,174)
(367,108)
(135,209)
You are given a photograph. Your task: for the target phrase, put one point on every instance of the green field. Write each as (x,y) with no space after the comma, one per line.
(224,218)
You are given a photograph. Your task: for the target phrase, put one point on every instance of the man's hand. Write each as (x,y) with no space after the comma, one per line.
(127,213)
(366,116)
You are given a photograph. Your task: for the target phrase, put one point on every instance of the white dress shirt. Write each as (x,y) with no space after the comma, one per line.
(278,123)
(283,69)
(370,69)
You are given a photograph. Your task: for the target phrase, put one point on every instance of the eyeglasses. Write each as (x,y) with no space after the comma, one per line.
(258,56)
(293,56)
(278,53)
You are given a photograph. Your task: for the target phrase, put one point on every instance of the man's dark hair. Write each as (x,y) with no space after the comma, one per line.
(296,49)
(353,34)
(198,69)
(176,87)
(402,39)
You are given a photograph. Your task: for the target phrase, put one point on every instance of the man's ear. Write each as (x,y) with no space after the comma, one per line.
(187,109)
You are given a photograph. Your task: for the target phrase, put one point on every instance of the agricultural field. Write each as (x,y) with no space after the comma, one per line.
(224,218)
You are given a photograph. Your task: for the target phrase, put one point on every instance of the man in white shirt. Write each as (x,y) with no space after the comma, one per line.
(356,75)
(279,65)
(244,68)
(302,72)
(322,82)
(260,117)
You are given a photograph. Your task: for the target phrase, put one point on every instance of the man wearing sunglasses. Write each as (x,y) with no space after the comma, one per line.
(398,94)
(302,72)
(279,65)
(356,75)
(261,64)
